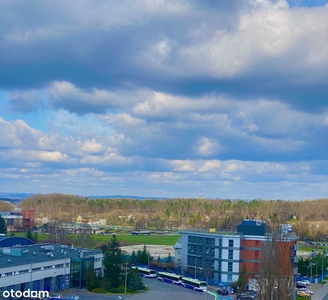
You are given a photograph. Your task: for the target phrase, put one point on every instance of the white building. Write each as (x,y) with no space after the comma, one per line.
(46,267)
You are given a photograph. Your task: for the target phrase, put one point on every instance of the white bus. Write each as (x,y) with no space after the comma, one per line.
(169,277)
(194,284)
(144,272)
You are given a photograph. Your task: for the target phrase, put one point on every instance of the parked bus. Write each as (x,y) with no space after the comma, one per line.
(144,272)
(169,277)
(194,284)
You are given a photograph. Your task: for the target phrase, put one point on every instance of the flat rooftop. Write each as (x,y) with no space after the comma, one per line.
(22,255)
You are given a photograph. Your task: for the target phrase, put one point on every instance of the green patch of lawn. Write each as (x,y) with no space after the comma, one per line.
(153,239)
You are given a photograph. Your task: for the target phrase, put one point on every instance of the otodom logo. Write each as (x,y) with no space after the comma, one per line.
(25,294)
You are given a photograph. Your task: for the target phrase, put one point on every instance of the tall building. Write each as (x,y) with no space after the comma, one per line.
(220,255)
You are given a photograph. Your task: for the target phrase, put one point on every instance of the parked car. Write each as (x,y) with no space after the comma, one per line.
(306,290)
(244,297)
(300,285)
(306,282)
(222,292)
(303,294)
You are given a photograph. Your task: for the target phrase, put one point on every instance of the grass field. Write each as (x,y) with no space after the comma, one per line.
(125,239)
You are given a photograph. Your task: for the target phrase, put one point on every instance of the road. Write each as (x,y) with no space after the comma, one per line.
(157,290)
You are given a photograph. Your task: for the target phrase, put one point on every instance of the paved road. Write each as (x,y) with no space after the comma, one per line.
(157,290)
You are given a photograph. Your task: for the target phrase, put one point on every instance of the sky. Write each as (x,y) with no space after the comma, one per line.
(165,98)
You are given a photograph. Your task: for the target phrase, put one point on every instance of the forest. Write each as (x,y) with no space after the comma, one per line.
(309,217)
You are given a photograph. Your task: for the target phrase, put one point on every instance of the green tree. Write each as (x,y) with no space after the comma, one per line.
(113,261)
(35,237)
(91,278)
(134,280)
(143,256)
(242,279)
(133,259)
(3,226)
(29,235)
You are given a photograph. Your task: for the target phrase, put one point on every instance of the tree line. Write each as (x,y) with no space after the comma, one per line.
(174,213)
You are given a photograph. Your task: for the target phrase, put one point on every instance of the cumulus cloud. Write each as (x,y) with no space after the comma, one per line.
(165,95)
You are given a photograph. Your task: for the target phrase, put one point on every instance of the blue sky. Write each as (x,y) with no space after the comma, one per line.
(165,98)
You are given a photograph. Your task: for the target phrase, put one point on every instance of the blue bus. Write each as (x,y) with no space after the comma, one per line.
(194,284)
(144,272)
(169,277)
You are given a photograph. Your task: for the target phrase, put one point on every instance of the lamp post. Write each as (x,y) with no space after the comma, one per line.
(196,269)
(311,264)
(126,276)
(31,276)
(148,255)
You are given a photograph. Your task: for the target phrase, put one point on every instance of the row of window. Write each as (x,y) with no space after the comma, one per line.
(210,252)
(34,270)
(208,241)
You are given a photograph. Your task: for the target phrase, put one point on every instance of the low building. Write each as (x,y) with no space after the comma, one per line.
(46,267)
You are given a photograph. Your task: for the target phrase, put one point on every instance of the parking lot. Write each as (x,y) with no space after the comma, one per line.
(157,290)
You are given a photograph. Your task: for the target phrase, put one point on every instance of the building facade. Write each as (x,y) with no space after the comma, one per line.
(221,255)
(19,220)
(46,267)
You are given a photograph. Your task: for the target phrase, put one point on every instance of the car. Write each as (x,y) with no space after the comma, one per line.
(222,292)
(306,290)
(303,294)
(244,297)
(306,282)
(300,285)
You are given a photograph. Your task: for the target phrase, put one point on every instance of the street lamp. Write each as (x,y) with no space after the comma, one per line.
(148,255)
(31,276)
(311,264)
(196,269)
(126,276)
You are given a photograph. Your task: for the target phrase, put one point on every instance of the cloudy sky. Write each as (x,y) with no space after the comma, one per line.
(165,98)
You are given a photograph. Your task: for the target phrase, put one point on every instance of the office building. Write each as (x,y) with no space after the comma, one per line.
(221,254)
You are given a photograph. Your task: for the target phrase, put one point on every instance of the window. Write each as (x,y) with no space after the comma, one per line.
(23,271)
(47,267)
(229,266)
(220,242)
(230,255)
(220,253)
(219,266)
(230,243)
(36,269)
(9,273)
(59,266)
(229,278)
(256,254)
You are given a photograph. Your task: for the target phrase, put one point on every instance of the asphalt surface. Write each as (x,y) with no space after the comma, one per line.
(157,290)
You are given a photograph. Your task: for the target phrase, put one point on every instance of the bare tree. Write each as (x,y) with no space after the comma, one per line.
(276,276)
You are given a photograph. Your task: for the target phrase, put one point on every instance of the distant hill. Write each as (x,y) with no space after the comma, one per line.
(14,198)
(18,197)
(126,197)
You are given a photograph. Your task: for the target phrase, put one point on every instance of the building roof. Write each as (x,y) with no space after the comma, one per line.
(10,241)
(37,253)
